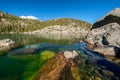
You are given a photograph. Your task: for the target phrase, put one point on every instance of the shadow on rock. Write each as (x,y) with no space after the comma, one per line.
(117,51)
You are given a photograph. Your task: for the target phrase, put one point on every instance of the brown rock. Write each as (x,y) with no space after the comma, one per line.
(58,68)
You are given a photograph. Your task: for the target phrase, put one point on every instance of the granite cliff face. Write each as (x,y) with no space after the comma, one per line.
(61,32)
(104,36)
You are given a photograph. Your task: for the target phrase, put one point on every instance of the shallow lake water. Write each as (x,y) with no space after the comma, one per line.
(24,62)
(25,39)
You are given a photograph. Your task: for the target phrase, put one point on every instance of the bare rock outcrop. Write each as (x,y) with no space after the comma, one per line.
(61,32)
(112,17)
(104,36)
(6,44)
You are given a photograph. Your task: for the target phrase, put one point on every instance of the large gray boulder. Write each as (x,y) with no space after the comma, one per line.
(6,44)
(105,35)
(105,32)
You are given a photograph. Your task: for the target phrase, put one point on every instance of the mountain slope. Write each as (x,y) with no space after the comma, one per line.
(11,23)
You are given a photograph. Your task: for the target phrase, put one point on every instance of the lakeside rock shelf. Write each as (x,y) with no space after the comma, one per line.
(6,44)
(104,35)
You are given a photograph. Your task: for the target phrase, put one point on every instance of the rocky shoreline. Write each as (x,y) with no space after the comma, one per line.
(58,32)
(7,44)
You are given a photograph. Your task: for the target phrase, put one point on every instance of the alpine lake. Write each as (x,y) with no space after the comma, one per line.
(24,62)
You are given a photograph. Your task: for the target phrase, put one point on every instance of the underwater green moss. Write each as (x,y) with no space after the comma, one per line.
(22,67)
(46,55)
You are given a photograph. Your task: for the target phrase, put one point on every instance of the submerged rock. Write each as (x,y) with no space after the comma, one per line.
(77,68)
(46,65)
(58,68)
(108,73)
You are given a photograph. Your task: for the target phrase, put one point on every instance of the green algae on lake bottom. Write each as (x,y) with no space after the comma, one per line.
(17,66)
(22,67)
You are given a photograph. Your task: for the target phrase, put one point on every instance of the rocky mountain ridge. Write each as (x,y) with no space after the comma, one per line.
(61,28)
(111,17)
(11,23)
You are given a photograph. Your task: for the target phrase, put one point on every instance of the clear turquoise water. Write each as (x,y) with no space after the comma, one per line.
(24,62)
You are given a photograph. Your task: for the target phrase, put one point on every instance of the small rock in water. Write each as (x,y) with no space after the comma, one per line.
(69,54)
(108,73)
